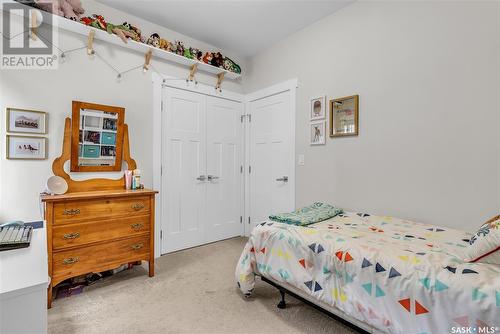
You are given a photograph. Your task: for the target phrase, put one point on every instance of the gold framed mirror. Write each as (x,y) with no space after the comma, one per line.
(96,137)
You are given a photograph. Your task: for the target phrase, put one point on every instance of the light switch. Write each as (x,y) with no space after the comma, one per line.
(301,160)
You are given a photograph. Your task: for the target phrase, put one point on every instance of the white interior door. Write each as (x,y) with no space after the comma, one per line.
(271,156)
(184,164)
(224,169)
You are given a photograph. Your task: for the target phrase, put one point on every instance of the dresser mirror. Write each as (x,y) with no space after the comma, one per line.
(96,137)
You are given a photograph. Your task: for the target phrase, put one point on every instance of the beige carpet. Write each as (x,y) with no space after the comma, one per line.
(193,292)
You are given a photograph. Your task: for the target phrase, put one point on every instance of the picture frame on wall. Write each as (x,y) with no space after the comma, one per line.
(26,148)
(26,121)
(318,133)
(317,108)
(344,116)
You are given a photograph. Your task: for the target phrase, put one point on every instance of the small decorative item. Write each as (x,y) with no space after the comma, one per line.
(26,121)
(344,116)
(318,130)
(27,148)
(318,108)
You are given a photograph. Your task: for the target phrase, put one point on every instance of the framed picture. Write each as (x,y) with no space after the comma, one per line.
(26,147)
(344,116)
(318,108)
(26,121)
(318,131)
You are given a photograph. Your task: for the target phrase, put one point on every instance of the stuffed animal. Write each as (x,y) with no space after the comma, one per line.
(137,32)
(187,53)
(207,59)
(165,45)
(70,9)
(231,66)
(199,55)
(123,31)
(196,53)
(96,21)
(217,60)
(179,49)
(154,40)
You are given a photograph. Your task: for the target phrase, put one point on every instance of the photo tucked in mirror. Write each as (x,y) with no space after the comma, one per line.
(100,137)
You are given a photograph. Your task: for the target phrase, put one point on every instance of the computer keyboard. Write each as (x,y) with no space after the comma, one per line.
(13,237)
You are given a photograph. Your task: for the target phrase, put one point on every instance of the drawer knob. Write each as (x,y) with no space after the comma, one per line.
(71,235)
(137,226)
(137,206)
(71,260)
(137,246)
(71,212)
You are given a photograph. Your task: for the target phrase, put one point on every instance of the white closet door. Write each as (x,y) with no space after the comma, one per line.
(224,161)
(184,164)
(271,157)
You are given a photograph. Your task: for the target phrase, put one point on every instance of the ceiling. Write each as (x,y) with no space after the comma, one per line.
(243,27)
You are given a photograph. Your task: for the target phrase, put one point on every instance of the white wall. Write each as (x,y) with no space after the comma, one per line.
(428,78)
(85,80)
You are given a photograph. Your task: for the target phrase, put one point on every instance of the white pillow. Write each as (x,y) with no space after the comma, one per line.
(485,244)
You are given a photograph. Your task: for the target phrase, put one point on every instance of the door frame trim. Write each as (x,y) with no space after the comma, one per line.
(289,85)
(158,82)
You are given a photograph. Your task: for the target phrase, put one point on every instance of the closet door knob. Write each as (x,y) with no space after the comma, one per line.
(212,177)
(201,178)
(283,179)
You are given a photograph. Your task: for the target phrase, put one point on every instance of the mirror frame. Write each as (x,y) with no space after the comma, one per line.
(75,133)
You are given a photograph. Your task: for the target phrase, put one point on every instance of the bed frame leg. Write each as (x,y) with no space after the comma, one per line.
(282,303)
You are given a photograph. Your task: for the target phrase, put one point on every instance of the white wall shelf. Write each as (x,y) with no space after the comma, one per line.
(82,29)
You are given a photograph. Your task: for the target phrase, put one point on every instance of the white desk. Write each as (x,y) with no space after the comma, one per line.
(23,287)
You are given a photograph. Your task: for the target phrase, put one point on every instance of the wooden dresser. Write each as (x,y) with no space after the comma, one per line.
(94,231)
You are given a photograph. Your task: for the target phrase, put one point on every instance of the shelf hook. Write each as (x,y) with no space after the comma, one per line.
(192,72)
(90,43)
(220,77)
(147,60)
(34,24)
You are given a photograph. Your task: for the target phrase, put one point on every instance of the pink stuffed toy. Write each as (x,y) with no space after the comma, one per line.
(70,9)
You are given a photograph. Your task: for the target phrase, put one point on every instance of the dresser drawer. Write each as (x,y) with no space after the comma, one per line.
(77,234)
(70,263)
(66,212)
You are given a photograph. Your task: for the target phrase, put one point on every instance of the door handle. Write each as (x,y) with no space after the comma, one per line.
(284,179)
(211,177)
(201,178)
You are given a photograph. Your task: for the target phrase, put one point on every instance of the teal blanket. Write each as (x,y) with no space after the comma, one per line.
(308,215)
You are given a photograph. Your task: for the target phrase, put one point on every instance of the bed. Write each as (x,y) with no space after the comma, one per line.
(382,274)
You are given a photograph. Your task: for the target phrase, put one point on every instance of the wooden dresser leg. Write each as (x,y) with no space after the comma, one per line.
(49,296)
(151,268)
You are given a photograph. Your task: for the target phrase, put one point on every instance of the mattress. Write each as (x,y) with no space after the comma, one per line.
(393,275)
